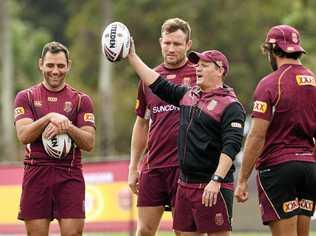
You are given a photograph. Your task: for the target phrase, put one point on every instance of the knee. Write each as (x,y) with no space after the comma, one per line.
(72,232)
(146,230)
(177,233)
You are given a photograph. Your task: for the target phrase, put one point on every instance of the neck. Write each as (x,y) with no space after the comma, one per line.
(53,89)
(211,87)
(175,66)
(282,61)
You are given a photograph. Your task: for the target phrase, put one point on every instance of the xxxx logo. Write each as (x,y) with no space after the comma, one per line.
(306,205)
(260,106)
(290,206)
(89,117)
(305,80)
(19,111)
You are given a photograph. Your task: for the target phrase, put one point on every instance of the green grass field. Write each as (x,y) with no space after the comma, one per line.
(171,234)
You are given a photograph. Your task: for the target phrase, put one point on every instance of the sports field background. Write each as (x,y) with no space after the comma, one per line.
(171,234)
(109,208)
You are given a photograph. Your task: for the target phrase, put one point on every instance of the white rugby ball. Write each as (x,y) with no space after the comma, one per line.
(115,41)
(57,147)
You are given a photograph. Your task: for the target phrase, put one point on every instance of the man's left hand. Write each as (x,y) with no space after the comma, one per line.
(211,190)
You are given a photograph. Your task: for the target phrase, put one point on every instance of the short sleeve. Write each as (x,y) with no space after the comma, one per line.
(85,116)
(141,102)
(264,99)
(22,106)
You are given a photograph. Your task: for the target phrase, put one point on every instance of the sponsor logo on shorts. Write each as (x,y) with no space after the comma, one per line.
(212,104)
(38,103)
(260,106)
(18,111)
(68,106)
(52,99)
(236,125)
(303,80)
(290,206)
(306,204)
(88,117)
(219,219)
(165,108)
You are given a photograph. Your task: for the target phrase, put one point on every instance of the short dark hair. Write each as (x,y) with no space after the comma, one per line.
(173,24)
(275,49)
(55,47)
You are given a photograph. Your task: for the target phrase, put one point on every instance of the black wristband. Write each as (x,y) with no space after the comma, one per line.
(217,178)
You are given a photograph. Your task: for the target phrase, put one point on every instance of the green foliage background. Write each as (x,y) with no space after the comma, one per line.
(235,27)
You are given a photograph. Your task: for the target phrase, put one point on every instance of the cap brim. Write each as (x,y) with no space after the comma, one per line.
(291,48)
(194,57)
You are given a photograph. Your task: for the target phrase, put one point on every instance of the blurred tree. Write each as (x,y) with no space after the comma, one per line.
(47,14)
(105,91)
(8,143)
(236,27)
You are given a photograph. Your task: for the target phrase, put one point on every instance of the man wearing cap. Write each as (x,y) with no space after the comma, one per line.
(281,138)
(210,135)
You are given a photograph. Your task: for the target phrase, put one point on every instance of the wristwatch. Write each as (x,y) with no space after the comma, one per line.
(217,178)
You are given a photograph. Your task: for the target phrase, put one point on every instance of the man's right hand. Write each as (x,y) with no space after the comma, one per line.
(241,191)
(60,121)
(133,176)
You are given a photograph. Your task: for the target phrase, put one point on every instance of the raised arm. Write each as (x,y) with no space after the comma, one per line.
(145,73)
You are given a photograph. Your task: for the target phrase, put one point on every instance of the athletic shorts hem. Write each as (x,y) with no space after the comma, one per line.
(202,231)
(34,218)
(152,205)
(267,221)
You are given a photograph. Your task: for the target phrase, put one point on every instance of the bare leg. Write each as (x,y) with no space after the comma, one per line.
(222,233)
(192,234)
(71,227)
(148,220)
(38,227)
(303,225)
(285,227)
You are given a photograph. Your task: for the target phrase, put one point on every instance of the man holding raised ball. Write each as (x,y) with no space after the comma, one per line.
(210,136)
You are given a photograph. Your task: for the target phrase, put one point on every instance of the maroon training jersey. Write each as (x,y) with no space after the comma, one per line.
(164,118)
(287,98)
(38,101)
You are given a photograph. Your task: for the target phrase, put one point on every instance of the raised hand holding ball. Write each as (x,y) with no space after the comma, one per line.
(115,41)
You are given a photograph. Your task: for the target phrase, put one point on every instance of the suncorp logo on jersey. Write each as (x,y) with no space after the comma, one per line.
(165,108)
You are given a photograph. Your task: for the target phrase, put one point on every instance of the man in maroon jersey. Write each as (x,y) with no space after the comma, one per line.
(53,188)
(280,140)
(156,128)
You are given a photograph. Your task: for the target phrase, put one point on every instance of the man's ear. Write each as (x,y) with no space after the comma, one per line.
(40,63)
(189,44)
(160,40)
(69,65)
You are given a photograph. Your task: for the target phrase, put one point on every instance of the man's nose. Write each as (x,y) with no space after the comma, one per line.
(171,48)
(55,70)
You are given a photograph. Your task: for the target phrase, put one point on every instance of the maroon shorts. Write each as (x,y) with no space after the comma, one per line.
(158,187)
(52,192)
(287,190)
(191,216)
